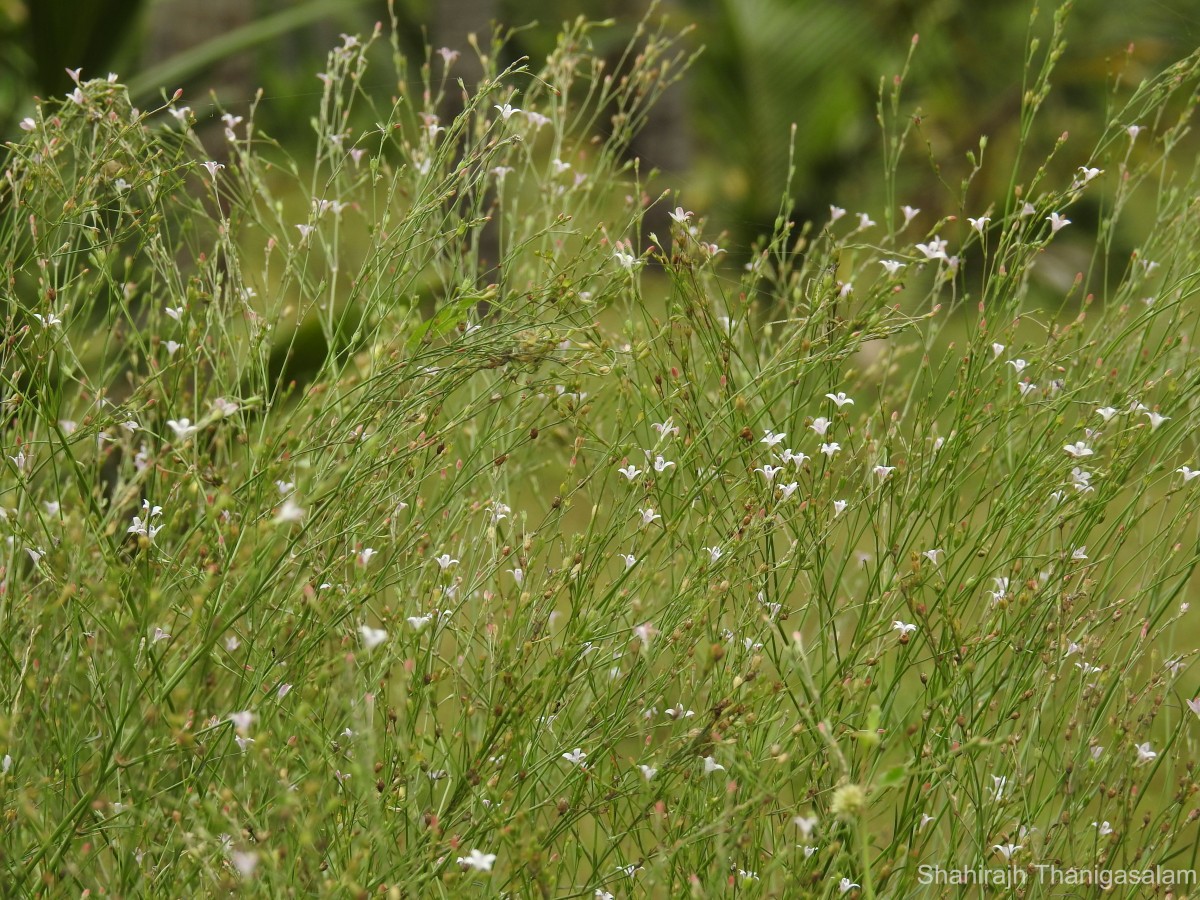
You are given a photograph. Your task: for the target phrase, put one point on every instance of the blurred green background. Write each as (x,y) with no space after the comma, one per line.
(721,137)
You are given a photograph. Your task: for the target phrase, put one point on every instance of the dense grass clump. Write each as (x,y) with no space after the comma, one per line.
(408,522)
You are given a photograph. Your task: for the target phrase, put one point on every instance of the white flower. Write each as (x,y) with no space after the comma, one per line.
(806,824)
(1001,590)
(20,460)
(1087,174)
(1006,850)
(1078,449)
(648,515)
(172,347)
(864,221)
(648,772)
(213,167)
(625,260)
(771,438)
(645,633)
(1156,419)
(711,765)
(714,553)
(830,449)
(1187,473)
(820,425)
(630,560)
(665,428)
(1026,387)
(49,320)
(661,465)
(838,507)
(786,490)
(1079,553)
(935,249)
(1088,669)
(769,472)
(678,712)
(477,860)
(289,511)
(846,885)
(1104,828)
(1144,753)
(575,757)
(791,456)
(242,720)
(143,528)
(372,637)
(998,783)
(1194,705)
(518,575)
(159,635)
(932,555)
(835,212)
(506,110)
(416,623)
(925,820)
(892,266)
(1133,131)
(445,562)
(1018,364)
(980,223)
(680,216)
(224,407)
(883,471)
(364,556)
(245,861)
(997,349)
(1056,222)
(183,428)
(840,399)
(905,628)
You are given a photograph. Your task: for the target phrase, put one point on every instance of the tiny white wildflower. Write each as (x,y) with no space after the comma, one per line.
(372,637)
(1056,222)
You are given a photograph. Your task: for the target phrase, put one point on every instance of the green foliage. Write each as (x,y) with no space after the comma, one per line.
(579,566)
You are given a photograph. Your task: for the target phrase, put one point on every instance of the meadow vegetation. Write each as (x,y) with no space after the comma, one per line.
(444,534)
